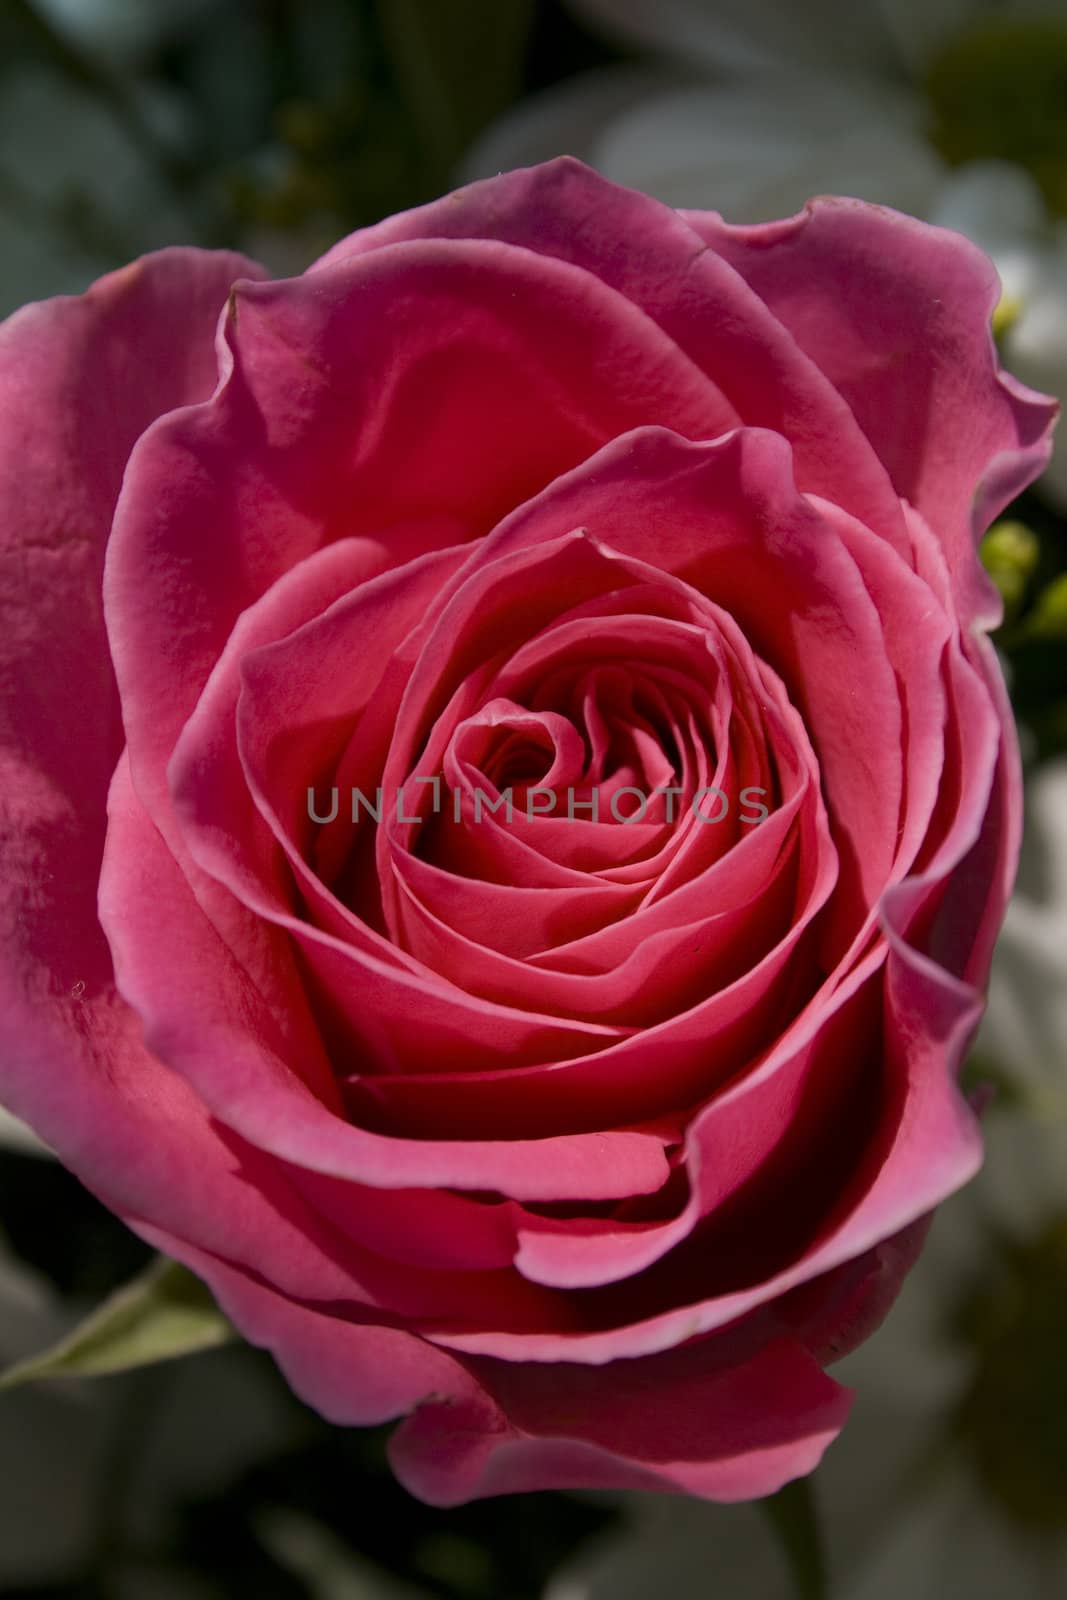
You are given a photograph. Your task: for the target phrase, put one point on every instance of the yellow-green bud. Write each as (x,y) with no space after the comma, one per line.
(1010,553)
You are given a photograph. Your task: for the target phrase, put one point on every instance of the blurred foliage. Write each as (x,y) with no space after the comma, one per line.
(450,92)
(1013,1417)
(1026,554)
(992,1085)
(288,123)
(503,1549)
(87,1257)
(999,90)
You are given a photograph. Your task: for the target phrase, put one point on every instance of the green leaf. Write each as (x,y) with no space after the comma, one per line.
(793,1515)
(164,1312)
(458,66)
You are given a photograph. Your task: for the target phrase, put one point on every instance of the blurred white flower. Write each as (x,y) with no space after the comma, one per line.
(755,105)
(752,148)
(760,149)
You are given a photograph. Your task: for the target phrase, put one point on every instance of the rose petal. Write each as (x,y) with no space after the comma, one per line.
(727,517)
(80,379)
(203,1015)
(696,1420)
(897,315)
(353,1374)
(913,1163)
(565,211)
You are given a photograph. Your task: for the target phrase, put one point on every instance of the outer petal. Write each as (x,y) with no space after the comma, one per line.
(717,1418)
(839,1311)
(565,211)
(409,398)
(207,1018)
(933,1149)
(897,314)
(729,1418)
(80,380)
(352,1373)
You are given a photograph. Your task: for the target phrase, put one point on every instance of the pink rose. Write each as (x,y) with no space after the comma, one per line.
(583,1140)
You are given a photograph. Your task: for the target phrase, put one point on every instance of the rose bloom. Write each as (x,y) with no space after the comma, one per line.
(582,1142)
